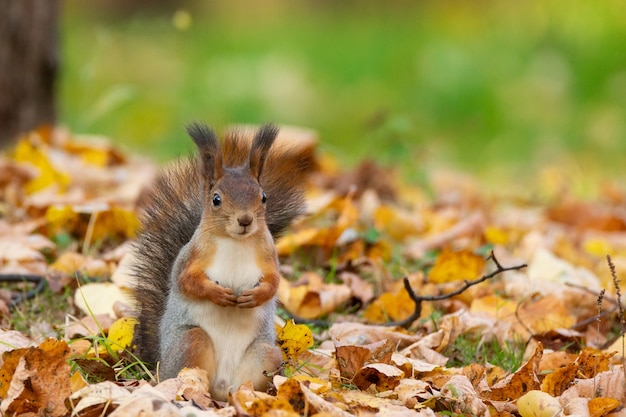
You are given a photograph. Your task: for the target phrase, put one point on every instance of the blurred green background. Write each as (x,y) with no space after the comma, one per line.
(485,86)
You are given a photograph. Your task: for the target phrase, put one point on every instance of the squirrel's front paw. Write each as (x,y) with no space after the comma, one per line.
(222,296)
(256,296)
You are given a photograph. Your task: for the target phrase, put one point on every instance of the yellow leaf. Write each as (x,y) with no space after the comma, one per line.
(115,222)
(77,382)
(397,223)
(294,339)
(27,152)
(454,266)
(496,235)
(390,306)
(538,404)
(121,332)
(598,247)
(288,244)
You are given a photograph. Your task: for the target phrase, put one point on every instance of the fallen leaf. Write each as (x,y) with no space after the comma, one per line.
(602,405)
(310,297)
(556,382)
(121,332)
(525,379)
(294,339)
(459,396)
(40,381)
(455,266)
(384,377)
(538,404)
(351,358)
(98,298)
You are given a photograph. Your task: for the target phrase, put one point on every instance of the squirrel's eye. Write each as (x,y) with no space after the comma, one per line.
(217,200)
(263,197)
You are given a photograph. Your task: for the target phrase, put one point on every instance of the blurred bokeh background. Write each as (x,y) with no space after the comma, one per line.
(497,88)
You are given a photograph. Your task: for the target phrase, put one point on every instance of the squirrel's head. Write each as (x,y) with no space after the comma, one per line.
(234,198)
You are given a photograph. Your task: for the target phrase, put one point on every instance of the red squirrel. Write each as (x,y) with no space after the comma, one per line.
(205,263)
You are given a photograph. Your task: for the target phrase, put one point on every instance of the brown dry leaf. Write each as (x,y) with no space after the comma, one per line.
(254,403)
(459,396)
(316,403)
(426,349)
(195,387)
(352,333)
(310,297)
(556,382)
(41,381)
(588,216)
(411,366)
(519,383)
(351,358)
(11,340)
(551,361)
(610,384)
(384,377)
(591,362)
(95,399)
(456,265)
(360,288)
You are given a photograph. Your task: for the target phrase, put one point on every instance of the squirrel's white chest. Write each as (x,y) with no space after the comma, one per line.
(234,265)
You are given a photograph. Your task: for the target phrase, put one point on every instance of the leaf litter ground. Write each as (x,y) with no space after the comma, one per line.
(440,303)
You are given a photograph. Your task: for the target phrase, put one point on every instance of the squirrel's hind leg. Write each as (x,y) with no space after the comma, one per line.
(194,350)
(261,360)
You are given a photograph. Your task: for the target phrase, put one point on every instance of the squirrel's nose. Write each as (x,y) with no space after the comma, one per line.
(244,220)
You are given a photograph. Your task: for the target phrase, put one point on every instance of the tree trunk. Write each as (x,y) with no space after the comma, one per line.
(28,65)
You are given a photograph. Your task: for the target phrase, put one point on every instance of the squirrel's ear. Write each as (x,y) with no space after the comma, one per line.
(261,145)
(209,150)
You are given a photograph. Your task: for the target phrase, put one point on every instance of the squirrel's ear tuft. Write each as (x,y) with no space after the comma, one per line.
(208,147)
(261,145)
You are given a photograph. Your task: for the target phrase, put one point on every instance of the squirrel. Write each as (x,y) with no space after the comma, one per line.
(205,263)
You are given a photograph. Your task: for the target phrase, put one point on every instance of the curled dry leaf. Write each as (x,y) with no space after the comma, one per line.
(384,377)
(310,297)
(39,380)
(610,383)
(460,397)
(351,358)
(97,398)
(519,383)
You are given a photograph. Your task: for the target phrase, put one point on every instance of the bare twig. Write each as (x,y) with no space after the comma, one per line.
(620,307)
(418,299)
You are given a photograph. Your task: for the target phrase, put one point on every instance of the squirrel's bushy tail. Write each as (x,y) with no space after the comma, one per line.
(174,207)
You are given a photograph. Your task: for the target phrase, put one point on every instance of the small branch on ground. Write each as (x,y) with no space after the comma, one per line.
(418,299)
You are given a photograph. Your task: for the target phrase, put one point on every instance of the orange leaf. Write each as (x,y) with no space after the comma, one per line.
(601,406)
